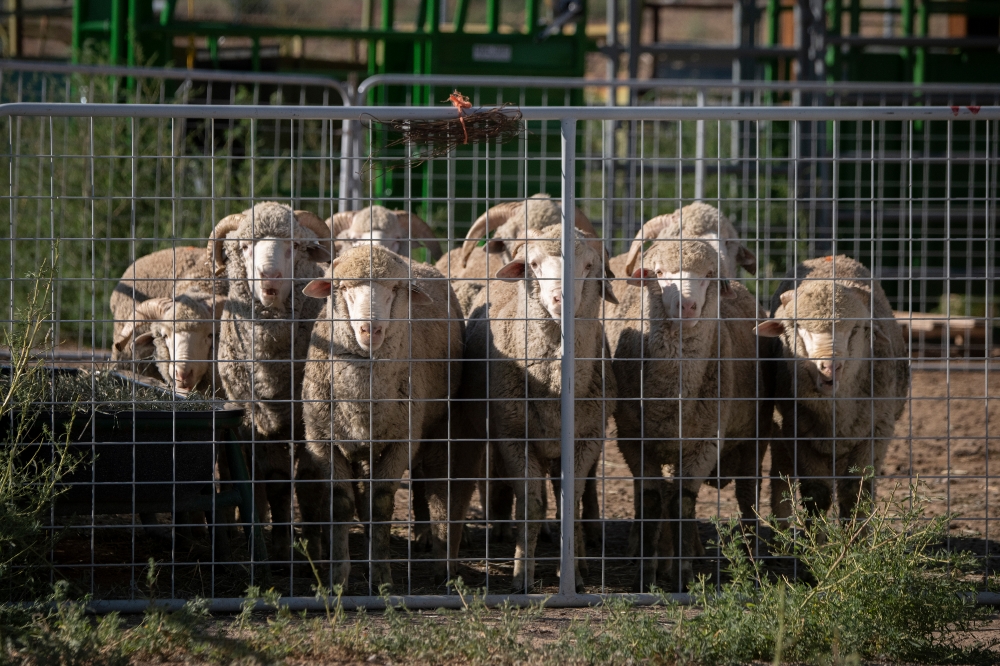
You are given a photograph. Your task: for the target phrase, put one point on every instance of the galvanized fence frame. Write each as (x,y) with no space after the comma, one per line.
(123,78)
(568,117)
(663,92)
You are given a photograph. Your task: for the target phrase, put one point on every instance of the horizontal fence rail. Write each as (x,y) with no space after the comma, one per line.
(530,454)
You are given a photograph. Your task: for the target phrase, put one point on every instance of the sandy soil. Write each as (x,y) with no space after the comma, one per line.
(940,440)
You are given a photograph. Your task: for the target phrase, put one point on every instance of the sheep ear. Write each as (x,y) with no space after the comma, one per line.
(608,273)
(512,271)
(726,289)
(121,340)
(318,253)
(639,275)
(609,294)
(420,297)
(218,306)
(746,259)
(771,328)
(863,294)
(317,289)
(144,339)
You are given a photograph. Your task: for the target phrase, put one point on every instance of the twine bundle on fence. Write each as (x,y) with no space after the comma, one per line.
(438,138)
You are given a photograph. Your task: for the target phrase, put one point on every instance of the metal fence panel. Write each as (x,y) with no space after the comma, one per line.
(909,192)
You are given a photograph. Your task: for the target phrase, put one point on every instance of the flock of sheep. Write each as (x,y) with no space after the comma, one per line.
(355,362)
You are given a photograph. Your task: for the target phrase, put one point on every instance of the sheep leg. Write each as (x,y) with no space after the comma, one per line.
(849,486)
(448,497)
(342,506)
(591,516)
(751,457)
(312,497)
(648,483)
(697,461)
(386,476)
(592,509)
(497,498)
(501,510)
(279,497)
(815,473)
(782,475)
(527,492)
(587,454)
(421,510)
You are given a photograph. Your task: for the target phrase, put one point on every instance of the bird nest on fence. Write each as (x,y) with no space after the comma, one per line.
(437,138)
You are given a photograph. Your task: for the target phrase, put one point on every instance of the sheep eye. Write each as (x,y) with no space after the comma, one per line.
(534,264)
(588,267)
(659,273)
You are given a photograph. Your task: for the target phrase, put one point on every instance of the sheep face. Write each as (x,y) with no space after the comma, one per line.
(183,336)
(540,261)
(684,272)
(269,238)
(825,327)
(370,289)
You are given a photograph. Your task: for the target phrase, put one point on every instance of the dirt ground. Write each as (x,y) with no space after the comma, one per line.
(940,440)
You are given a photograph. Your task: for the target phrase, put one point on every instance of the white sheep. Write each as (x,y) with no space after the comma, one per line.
(269,254)
(469,270)
(511,382)
(695,221)
(383,366)
(165,312)
(392,229)
(842,383)
(689,381)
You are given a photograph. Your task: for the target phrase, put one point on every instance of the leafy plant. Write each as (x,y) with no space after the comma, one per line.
(29,475)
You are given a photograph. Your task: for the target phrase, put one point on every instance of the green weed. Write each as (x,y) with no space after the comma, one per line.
(881,590)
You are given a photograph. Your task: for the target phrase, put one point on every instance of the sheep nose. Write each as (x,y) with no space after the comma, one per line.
(689,308)
(368,329)
(557,297)
(830,368)
(183,377)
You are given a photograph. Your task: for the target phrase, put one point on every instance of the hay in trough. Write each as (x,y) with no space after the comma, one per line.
(437,138)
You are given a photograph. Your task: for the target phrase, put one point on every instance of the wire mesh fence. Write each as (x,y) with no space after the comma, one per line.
(377,420)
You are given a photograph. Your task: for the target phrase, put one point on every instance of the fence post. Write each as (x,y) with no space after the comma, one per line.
(699,152)
(567,568)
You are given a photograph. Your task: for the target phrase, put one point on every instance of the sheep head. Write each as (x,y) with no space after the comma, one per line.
(698,221)
(538,260)
(270,237)
(512,220)
(392,229)
(182,331)
(686,273)
(369,288)
(825,325)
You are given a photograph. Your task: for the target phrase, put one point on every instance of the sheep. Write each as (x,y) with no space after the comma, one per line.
(679,332)
(841,350)
(380,373)
(696,221)
(507,397)
(269,253)
(392,229)
(469,270)
(165,310)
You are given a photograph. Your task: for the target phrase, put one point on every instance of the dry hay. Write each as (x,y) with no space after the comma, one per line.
(430,139)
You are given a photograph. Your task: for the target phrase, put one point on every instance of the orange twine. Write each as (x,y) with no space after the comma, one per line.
(461,102)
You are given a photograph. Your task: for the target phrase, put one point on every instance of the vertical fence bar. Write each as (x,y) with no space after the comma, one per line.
(567,577)
(699,152)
